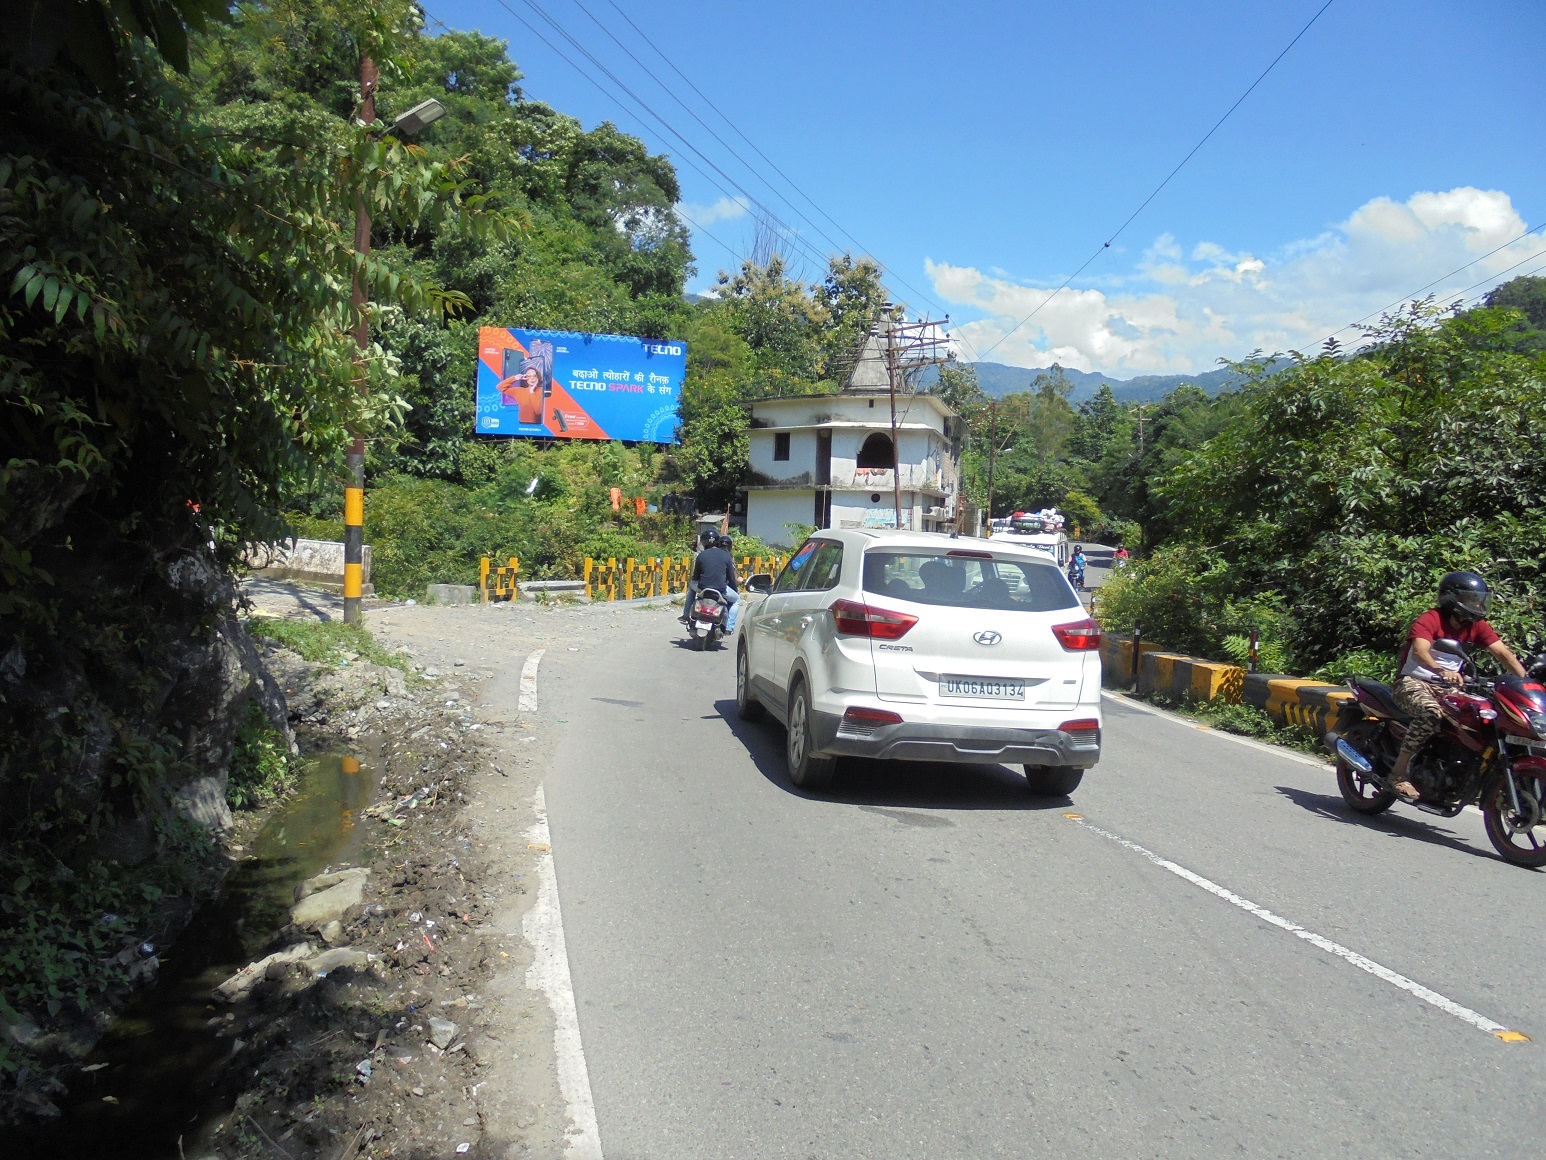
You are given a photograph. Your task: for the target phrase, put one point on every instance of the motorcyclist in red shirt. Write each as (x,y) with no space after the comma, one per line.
(1462,607)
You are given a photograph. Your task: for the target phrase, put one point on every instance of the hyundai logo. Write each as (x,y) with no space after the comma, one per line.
(987,637)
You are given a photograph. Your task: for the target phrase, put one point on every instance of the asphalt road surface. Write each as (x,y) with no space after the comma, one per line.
(929,962)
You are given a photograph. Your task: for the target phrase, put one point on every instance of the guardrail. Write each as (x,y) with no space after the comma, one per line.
(498,583)
(1313,705)
(634,579)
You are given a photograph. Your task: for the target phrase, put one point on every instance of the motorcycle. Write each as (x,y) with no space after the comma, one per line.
(1076,576)
(1490,751)
(706,622)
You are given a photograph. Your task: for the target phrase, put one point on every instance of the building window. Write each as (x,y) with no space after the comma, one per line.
(877,453)
(781,445)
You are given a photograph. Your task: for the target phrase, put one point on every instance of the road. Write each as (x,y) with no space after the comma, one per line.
(928,962)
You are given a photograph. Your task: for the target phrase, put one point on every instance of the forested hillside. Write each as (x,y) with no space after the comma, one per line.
(1327,499)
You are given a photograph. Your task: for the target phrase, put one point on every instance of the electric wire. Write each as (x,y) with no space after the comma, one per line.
(1446,277)
(771,219)
(1106,245)
(733,251)
(863,249)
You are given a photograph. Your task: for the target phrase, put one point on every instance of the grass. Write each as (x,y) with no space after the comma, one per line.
(325,642)
(1244,720)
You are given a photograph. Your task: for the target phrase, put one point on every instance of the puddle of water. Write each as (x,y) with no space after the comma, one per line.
(161,1049)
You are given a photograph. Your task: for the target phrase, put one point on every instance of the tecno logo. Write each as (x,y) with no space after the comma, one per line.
(987,637)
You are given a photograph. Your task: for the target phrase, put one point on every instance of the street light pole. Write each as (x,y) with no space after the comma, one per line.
(354,489)
(992,455)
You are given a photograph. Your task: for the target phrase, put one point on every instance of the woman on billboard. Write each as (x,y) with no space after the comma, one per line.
(528,381)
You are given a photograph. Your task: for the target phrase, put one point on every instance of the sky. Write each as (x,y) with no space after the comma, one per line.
(983,152)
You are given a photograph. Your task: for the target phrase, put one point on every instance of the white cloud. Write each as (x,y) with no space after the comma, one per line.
(1175,314)
(726,209)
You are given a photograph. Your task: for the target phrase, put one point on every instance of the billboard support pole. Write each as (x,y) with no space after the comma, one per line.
(354,486)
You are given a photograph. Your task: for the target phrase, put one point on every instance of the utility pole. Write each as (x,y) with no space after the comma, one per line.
(910,346)
(896,445)
(354,489)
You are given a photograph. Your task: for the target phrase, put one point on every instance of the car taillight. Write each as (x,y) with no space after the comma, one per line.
(1085,729)
(1080,636)
(860,715)
(854,618)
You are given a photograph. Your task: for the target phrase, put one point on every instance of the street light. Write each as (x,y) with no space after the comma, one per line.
(416,119)
(412,121)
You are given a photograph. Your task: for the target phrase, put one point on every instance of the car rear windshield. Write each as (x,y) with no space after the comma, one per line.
(967,581)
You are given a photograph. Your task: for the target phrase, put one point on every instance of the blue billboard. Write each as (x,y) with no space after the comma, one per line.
(560,384)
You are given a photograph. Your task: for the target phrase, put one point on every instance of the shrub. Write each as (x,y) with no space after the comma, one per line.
(261,767)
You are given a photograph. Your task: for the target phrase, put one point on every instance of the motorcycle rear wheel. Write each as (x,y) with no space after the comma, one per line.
(1517,839)
(699,643)
(1362,795)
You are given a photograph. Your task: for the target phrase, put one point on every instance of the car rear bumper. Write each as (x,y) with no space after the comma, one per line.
(965,744)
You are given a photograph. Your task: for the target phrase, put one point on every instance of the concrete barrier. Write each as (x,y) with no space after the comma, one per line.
(319,562)
(450,594)
(1311,705)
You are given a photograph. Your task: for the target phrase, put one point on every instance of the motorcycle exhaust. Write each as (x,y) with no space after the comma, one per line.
(1350,755)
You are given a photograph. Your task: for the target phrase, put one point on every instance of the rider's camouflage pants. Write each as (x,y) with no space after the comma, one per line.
(1420,701)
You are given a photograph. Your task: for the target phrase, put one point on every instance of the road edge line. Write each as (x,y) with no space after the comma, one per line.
(1395,978)
(528,699)
(543,926)
(1182,719)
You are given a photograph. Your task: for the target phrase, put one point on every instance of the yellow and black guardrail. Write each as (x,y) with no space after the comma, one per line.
(1313,705)
(498,583)
(635,579)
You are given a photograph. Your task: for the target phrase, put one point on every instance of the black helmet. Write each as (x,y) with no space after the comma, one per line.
(709,538)
(725,542)
(1464,594)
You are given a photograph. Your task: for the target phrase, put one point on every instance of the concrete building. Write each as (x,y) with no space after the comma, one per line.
(828,460)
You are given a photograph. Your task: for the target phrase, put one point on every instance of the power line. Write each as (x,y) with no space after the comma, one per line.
(1106,245)
(1410,297)
(772,164)
(612,97)
(769,216)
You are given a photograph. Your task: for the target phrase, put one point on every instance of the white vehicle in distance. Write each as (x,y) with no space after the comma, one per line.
(1053,544)
(918,646)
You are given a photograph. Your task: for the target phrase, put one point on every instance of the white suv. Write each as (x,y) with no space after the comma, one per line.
(918,646)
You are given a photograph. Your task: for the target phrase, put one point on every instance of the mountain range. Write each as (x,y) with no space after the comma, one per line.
(998,380)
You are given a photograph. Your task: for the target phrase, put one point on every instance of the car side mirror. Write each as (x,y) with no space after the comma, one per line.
(760,582)
(1453,647)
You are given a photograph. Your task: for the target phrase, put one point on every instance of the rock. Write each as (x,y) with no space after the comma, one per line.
(339,894)
(202,801)
(252,974)
(321,882)
(441,1032)
(329,961)
(332,933)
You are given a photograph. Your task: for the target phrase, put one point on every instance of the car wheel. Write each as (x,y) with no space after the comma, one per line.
(1052,780)
(747,707)
(806,769)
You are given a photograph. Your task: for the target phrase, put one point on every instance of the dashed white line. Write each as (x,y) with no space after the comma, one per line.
(1427,995)
(528,701)
(543,927)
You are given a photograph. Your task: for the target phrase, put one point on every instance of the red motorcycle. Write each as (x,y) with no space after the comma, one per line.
(1490,751)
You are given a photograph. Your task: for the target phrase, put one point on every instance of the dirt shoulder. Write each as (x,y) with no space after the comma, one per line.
(352,1064)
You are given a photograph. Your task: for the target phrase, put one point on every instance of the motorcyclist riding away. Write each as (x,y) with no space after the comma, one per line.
(715,568)
(1462,607)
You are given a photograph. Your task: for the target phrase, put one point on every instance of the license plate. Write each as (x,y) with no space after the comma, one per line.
(982,688)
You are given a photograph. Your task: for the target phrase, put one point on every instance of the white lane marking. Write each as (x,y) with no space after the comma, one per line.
(543,927)
(1275,750)
(528,701)
(1224,735)
(1449,1006)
